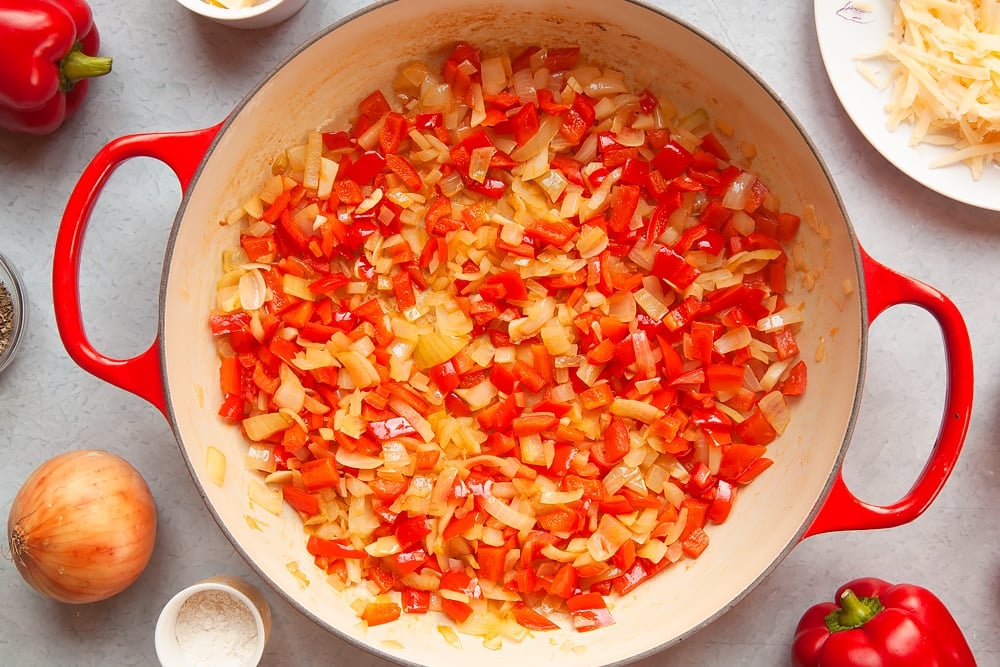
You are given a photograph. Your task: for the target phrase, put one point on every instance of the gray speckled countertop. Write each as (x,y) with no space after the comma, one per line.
(175,71)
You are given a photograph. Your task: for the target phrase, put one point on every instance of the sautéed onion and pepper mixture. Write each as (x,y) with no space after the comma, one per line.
(511,343)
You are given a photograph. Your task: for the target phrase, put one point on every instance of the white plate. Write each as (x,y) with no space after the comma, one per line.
(845,32)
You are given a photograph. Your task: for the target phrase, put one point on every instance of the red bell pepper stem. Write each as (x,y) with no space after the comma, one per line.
(77,66)
(852,612)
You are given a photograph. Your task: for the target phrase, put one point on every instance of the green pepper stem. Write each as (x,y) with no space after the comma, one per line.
(853,612)
(77,65)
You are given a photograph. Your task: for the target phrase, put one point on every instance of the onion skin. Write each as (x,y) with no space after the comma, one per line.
(82,527)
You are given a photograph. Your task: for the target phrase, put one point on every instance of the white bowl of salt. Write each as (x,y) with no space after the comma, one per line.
(218,622)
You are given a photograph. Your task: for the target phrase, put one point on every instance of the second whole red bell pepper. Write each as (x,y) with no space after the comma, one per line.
(49,52)
(877,624)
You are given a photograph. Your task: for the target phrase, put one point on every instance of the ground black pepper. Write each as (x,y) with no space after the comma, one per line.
(6,317)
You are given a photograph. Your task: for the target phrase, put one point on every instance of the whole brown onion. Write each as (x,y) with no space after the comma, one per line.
(82,526)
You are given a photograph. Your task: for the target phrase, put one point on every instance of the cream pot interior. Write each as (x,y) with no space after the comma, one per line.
(321,84)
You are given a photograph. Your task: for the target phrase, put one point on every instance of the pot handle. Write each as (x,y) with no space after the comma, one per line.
(182,152)
(842,510)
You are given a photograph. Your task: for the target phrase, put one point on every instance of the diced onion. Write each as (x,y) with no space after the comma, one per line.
(386,545)
(592,241)
(479,395)
(260,456)
(494,75)
(261,427)
(269,499)
(433,349)
(290,393)
(738,191)
(610,535)
(215,465)
(643,254)
(782,318)
(327,175)
(506,515)
(253,290)
(560,497)
(480,162)
(548,128)
(357,460)
(314,153)
(532,452)
(774,408)
(524,87)
(674,532)
(734,339)
(621,306)
(652,306)
(417,420)
(638,410)
(773,374)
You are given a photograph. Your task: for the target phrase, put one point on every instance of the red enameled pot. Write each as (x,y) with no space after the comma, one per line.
(844,290)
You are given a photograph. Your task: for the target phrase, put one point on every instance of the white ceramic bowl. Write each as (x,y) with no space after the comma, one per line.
(322,82)
(171,649)
(262,15)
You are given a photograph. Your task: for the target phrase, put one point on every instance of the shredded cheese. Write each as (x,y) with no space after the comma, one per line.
(946,77)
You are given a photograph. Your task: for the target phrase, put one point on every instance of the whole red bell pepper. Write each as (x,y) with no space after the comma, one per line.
(49,52)
(877,624)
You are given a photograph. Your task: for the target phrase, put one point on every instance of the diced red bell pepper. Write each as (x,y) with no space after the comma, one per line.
(673,268)
(524,123)
(547,103)
(319,474)
(578,120)
(377,613)
(336,141)
(737,458)
(415,601)
(445,377)
(301,501)
(589,611)
(635,171)
(512,284)
(366,167)
(724,377)
(614,446)
(533,423)
(232,408)
(410,561)
(554,232)
(492,562)
(228,323)
(374,106)
(393,132)
(623,206)
(318,546)
(388,429)
(755,429)
(695,543)
(672,160)
(406,172)
(722,498)
(711,143)
(412,530)
(795,383)
(457,610)
(528,618)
